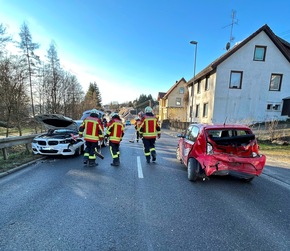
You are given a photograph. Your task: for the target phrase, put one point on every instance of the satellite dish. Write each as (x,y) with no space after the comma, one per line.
(228,46)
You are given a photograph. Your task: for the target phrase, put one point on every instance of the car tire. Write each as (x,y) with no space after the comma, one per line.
(193,168)
(248,180)
(178,155)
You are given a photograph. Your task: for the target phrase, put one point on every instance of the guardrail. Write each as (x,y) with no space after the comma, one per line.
(6,143)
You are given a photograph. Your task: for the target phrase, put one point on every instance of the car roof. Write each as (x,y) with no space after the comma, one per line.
(56,121)
(88,112)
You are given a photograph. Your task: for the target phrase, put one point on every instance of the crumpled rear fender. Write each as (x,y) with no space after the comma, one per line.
(224,164)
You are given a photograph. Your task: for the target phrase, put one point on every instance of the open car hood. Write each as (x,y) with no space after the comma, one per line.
(56,121)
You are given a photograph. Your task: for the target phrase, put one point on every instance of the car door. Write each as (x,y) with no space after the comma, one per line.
(189,140)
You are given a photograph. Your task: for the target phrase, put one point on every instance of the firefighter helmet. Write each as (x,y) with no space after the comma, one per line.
(148,109)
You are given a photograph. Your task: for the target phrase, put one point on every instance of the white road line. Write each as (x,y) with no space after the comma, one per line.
(140,172)
(276,181)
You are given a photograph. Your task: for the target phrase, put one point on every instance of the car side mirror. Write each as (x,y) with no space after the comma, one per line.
(180,135)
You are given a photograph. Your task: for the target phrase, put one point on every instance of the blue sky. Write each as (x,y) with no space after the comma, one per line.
(131,47)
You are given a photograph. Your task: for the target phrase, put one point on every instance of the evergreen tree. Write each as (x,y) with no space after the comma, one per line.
(28,48)
(93,97)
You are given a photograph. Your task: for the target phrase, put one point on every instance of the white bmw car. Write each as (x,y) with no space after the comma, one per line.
(61,138)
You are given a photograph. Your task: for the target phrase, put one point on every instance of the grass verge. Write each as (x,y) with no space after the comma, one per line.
(17,158)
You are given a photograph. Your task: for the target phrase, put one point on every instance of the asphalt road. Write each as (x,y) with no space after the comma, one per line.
(58,204)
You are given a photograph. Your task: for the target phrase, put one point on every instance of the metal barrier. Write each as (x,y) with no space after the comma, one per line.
(14,141)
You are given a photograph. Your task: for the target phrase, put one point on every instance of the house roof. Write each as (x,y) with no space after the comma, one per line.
(281,44)
(173,87)
(161,95)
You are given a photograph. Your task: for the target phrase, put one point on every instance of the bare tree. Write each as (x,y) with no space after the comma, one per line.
(12,95)
(28,48)
(53,80)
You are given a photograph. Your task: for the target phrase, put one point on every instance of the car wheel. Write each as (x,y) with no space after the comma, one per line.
(193,168)
(178,155)
(248,180)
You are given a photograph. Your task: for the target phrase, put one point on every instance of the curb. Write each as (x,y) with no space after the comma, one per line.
(19,167)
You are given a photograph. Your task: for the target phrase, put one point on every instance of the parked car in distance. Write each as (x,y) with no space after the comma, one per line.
(128,122)
(61,137)
(208,150)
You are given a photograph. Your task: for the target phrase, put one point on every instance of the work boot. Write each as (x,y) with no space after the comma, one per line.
(118,160)
(148,159)
(92,163)
(153,154)
(115,162)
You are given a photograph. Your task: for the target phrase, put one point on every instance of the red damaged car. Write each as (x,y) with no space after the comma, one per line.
(220,150)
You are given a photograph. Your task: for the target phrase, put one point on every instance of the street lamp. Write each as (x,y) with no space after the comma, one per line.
(194,66)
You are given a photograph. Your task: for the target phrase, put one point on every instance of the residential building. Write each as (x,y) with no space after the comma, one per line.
(250,83)
(173,103)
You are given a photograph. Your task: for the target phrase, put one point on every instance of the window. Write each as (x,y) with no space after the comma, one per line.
(275,84)
(236,79)
(206,86)
(205,109)
(188,132)
(190,112)
(260,53)
(197,111)
(198,87)
(181,90)
(273,107)
(178,101)
(192,133)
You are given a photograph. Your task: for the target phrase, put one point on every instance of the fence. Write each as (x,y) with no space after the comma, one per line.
(175,125)
(6,143)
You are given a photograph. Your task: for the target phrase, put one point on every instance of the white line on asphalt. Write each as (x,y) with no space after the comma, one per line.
(140,172)
(276,181)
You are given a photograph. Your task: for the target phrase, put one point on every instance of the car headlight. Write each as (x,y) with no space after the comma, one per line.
(209,148)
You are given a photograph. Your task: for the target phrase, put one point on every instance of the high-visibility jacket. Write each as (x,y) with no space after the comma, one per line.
(93,129)
(115,130)
(138,124)
(149,127)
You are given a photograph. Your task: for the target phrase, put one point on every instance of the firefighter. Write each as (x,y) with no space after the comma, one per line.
(115,132)
(149,130)
(137,128)
(93,132)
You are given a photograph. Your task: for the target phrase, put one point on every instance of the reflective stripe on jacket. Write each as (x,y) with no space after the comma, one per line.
(149,127)
(115,130)
(138,124)
(93,129)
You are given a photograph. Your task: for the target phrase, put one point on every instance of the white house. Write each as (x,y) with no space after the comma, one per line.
(249,83)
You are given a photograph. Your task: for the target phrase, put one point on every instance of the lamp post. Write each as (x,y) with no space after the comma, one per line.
(194,66)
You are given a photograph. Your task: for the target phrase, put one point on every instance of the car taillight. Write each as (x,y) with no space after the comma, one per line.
(209,148)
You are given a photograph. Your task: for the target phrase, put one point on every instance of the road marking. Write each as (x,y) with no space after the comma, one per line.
(140,172)
(276,181)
